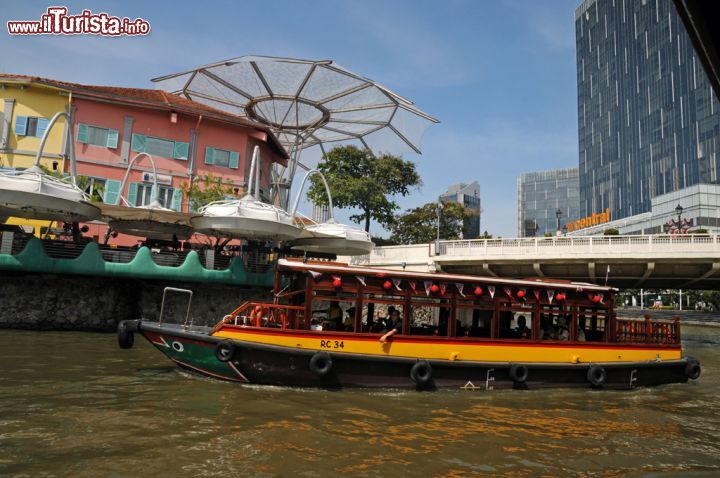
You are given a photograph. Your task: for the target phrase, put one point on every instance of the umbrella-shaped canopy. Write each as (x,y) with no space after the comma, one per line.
(306,103)
(153,221)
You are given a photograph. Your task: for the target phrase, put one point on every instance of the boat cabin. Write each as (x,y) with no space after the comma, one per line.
(341,299)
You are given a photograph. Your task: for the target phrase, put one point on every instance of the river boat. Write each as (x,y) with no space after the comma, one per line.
(325,327)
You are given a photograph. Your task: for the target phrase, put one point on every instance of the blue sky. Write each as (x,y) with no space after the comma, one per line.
(499,74)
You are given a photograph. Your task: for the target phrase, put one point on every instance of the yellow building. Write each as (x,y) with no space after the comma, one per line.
(25,110)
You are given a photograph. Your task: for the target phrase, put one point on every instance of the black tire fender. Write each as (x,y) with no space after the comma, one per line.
(321,364)
(225,351)
(692,369)
(421,372)
(519,373)
(596,375)
(125,335)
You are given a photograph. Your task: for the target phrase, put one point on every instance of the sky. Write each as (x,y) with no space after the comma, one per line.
(500,75)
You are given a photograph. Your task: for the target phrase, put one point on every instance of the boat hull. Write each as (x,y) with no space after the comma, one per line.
(264,364)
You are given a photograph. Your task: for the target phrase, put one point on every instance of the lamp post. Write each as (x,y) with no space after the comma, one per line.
(558,215)
(678,211)
(438,211)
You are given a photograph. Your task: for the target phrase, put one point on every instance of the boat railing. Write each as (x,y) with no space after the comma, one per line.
(187,292)
(647,331)
(264,314)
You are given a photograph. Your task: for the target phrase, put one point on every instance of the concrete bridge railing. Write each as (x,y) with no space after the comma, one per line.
(581,246)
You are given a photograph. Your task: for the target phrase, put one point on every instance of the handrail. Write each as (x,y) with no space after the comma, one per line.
(181,291)
(587,244)
(648,331)
(258,314)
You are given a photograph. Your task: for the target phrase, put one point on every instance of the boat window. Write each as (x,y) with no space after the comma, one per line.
(592,322)
(375,315)
(429,316)
(511,316)
(555,320)
(474,320)
(332,315)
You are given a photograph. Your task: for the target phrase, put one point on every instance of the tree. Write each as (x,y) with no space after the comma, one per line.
(359,179)
(611,231)
(206,189)
(419,225)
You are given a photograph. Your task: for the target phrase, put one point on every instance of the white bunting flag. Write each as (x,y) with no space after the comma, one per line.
(428,284)
(361,280)
(396,283)
(491,289)
(551,295)
(412,284)
(460,286)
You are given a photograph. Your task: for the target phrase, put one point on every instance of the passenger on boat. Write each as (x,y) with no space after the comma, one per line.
(562,332)
(548,332)
(349,322)
(396,326)
(335,316)
(522,331)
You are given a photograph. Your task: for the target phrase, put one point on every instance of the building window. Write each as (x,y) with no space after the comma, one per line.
(140,194)
(97,136)
(95,188)
(165,148)
(30,126)
(222,158)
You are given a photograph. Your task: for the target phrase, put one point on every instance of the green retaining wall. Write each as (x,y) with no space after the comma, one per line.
(33,258)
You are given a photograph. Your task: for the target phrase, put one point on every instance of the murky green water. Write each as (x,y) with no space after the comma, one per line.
(73,404)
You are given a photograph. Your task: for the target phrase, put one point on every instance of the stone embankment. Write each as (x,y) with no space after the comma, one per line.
(54,302)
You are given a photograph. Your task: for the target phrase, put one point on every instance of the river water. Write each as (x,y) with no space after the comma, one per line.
(73,404)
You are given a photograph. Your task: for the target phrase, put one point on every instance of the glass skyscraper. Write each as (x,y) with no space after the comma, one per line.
(649,122)
(469,196)
(541,194)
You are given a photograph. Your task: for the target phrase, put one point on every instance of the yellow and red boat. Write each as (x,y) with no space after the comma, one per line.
(326,327)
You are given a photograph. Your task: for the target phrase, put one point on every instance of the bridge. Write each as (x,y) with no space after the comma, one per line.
(661,261)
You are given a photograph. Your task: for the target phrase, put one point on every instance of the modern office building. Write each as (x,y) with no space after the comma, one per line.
(469,196)
(541,194)
(699,210)
(649,122)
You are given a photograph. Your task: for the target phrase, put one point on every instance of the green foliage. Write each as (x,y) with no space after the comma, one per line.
(359,179)
(83,182)
(700,231)
(206,189)
(485,235)
(611,231)
(419,225)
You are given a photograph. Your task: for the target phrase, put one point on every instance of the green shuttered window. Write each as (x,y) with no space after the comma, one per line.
(222,158)
(165,148)
(97,136)
(31,126)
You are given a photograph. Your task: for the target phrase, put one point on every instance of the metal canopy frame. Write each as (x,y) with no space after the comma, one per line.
(306,103)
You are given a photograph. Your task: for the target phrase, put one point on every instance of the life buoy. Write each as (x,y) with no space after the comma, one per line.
(225,351)
(421,372)
(519,373)
(321,363)
(596,375)
(692,369)
(126,338)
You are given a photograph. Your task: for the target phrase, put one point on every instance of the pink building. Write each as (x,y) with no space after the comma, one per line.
(186,139)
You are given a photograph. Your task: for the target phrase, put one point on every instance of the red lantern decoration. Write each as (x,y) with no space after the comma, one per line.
(560,297)
(596,298)
(478,291)
(521,294)
(434,288)
(387,285)
(337,282)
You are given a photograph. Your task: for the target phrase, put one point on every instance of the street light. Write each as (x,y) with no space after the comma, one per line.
(438,211)
(558,215)
(678,211)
